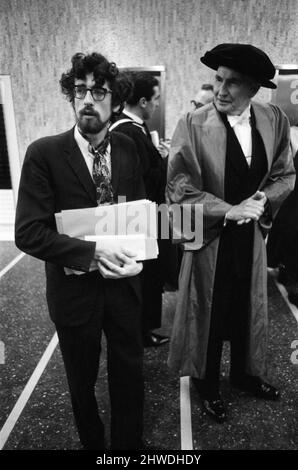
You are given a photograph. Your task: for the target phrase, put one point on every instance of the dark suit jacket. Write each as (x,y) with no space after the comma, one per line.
(153,167)
(55,177)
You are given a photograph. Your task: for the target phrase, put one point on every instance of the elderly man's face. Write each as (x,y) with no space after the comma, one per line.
(151,105)
(232,91)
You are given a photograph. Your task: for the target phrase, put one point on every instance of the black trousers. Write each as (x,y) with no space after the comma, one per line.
(119,316)
(230,307)
(152,289)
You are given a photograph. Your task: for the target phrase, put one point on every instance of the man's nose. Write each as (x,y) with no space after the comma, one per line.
(222,90)
(88,98)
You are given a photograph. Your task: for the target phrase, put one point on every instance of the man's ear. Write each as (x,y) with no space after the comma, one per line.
(142,102)
(115,109)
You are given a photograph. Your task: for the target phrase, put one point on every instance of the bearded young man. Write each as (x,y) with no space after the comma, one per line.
(84,167)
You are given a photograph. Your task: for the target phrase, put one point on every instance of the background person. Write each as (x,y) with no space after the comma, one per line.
(204,96)
(139,108)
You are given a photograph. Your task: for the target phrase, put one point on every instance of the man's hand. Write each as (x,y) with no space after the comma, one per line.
(115,262)
(163,148)
(249,209)
(128,267)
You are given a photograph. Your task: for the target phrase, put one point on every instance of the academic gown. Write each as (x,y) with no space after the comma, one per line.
(196,174)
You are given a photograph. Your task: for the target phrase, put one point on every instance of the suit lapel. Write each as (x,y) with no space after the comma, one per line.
(78,165)
(115,162)
(266,130)
(215,145)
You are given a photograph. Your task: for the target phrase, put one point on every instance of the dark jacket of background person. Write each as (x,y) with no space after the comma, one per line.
(164,268)
(153,167)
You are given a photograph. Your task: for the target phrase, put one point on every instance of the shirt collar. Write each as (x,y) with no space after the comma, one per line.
(81,141)
(133,116)
(242,119)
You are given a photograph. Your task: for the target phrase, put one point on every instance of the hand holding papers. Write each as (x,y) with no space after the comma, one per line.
(128,266)
(126,225)
(108,246)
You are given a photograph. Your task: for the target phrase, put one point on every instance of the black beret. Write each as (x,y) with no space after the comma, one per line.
(244,58)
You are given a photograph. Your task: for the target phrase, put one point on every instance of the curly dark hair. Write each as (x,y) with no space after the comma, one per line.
(103,70)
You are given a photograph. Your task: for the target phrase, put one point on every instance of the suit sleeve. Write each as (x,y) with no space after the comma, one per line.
(153,168)
(185,186)
(35,227)
(139,190)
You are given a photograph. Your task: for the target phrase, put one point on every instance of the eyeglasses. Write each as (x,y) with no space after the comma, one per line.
(97,93)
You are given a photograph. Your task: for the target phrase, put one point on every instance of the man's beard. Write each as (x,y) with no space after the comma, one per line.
(92,125)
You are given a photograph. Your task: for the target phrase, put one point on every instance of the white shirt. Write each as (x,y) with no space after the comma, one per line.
(83,145)
(242,129)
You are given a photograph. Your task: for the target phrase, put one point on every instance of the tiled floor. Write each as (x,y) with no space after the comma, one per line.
(46,421)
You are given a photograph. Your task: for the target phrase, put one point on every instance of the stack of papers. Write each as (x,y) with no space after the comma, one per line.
(131,225)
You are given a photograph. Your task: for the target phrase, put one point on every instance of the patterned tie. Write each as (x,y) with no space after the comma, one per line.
(101,173)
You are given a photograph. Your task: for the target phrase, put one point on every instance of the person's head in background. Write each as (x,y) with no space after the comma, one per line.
(144,98)
(204,96)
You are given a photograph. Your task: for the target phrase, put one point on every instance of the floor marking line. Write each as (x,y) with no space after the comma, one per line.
(284,293)
(185,415)
(26,393)
(11,264)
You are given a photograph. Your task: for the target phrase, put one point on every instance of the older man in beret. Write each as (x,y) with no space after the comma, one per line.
(233,157)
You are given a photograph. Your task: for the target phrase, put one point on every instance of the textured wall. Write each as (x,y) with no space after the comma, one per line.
(38,37)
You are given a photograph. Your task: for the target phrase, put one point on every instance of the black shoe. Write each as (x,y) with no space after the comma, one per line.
(257,387)
(151,340)
(211,401)
(215,409)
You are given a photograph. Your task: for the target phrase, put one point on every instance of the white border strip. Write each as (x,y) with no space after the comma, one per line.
(185,415)
(26,393)
(11,133)
(11,264)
